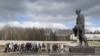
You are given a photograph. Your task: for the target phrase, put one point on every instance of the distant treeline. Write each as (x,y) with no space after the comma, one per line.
(15,33)
(37,34)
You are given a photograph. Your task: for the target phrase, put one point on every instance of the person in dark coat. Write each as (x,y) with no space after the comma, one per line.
(22,47)
(15,47)
(7,49)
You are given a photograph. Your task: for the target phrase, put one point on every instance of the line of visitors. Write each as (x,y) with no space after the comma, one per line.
(40,47)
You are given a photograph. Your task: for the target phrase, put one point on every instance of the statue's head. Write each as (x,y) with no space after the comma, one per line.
(78,11)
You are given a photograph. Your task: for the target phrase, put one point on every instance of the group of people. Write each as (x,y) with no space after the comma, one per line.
(40,47)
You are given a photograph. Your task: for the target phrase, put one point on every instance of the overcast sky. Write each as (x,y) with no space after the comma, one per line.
(58,14)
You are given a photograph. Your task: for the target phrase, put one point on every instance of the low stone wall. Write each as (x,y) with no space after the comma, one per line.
(3,42)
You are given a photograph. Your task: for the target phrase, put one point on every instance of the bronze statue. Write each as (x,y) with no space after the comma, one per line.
(79,28)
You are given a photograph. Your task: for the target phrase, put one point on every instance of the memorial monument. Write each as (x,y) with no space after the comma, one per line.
(79,31)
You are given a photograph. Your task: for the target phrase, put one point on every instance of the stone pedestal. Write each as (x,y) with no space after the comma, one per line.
(81,49)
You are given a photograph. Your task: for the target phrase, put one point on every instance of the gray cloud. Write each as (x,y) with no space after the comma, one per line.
(9,8)
(49,10)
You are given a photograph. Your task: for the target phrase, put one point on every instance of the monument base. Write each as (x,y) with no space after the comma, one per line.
(81,49)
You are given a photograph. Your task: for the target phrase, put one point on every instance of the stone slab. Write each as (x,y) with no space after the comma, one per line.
(81,49)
